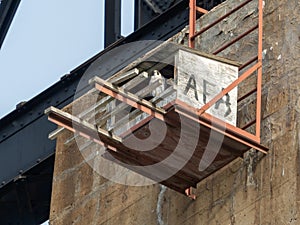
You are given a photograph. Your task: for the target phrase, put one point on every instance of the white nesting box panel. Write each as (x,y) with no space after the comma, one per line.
(199,79)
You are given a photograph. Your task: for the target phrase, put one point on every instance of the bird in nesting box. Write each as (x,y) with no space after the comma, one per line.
(157,77)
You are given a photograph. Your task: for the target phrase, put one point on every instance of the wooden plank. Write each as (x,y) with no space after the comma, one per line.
(125,76)
(81,123)
(135,81)
(117,109)
(101,85)
(136,116)
(127,86)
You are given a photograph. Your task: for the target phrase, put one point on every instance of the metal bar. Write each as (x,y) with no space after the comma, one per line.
(130,84)
(220,19)
(137,14)
(128,98)
(235,40)
(201,10)
(229,88)
(112,21)
(68,121)
(248,125)
(192,23)
(259,71)
(122,95)
(248,63)
(218,123)
(130,101)
(137,112)
(83,114)
(142,93)
(234,137)
(24,202)
(57,122)
(233,129)
(247,95)
(125,120)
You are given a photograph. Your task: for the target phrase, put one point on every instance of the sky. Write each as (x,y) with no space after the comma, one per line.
(47,39)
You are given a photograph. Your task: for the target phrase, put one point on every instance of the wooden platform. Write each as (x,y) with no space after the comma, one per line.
(173,152)
(152,94)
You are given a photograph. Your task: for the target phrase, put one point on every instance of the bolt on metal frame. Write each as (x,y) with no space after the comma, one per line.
(257,67)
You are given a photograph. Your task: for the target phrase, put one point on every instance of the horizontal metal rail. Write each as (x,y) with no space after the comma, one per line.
(247,95)
(249,124)
(248,63)
(235,40)
(258,59)
(219,19)
(128,98)
(229,88)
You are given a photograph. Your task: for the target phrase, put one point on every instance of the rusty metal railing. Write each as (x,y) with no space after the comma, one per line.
(257,67)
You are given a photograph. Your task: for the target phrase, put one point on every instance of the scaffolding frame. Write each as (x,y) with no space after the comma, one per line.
(257,67)
(200,116)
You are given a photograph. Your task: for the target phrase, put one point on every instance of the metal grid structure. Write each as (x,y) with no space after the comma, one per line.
(257,67)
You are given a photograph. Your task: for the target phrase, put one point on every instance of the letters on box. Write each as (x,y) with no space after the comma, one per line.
(199,79)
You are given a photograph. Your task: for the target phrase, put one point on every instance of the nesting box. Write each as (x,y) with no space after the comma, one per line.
(167,86)
(199,79)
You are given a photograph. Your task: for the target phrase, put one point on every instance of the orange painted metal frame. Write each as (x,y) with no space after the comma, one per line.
(193,7)
(129,101)
(192,23)
(201,10)
(257,67)
(220,126)
(83,134)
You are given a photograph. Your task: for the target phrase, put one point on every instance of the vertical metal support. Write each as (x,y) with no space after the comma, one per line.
(137,14)
(24,202)
(192,22)
(259,71)
(112,22)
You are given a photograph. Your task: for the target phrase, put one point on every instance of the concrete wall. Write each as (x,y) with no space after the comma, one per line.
(253,190)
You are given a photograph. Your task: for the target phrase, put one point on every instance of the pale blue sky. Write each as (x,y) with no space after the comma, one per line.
(46,40)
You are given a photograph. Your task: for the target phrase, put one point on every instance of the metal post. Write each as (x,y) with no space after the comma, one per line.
(24,202)
(112,21)
(192,23)
(259,71)
(137,14)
